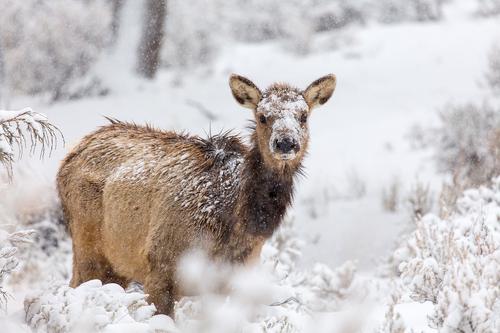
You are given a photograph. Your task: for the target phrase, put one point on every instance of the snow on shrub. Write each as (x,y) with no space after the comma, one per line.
(488,7)
(48,44)
(9,245)
(329,15)
(17,128)
(391,11)
(197,30)
(51,248)
(467,142)
(193,32)
(93,307)
(455,264)
(278,297)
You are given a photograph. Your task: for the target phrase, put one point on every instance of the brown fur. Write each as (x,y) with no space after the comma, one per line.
(136,199)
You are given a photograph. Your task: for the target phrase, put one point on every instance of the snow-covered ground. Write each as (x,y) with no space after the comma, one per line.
(390,77)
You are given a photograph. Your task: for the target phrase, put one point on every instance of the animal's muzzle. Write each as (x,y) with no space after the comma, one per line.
(286,145)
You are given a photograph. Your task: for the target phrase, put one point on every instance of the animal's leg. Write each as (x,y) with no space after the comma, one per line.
(87,265)
(91,265)
(162,292)
(88,261)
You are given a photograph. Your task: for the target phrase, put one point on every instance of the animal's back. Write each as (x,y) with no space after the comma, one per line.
(124,183)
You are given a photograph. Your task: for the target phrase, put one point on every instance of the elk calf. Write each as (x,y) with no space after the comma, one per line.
(136,198)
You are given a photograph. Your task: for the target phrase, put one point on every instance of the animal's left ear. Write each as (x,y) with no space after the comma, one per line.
(320,91)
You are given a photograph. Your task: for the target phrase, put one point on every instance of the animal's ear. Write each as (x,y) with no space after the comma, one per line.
(320,91)
(245,91)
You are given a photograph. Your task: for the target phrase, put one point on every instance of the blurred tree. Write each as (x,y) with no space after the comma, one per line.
(152,38)
(116,6)
(428,10)
(4,89)
(2,75)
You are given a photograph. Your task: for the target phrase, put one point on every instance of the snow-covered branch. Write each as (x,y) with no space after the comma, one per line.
(25,129)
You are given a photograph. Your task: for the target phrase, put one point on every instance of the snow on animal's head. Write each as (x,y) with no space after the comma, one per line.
(281,114)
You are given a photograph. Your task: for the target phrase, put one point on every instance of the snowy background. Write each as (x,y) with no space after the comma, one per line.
(395,228)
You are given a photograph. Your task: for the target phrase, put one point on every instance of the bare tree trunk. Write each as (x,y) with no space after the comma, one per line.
(116,6)
(3,81)
(152,37)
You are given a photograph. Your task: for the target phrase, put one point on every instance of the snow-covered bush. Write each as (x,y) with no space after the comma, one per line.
(329,15)
(48,44)
(18,128)
(193,32)
(277,297)
(256,20)
(195,29)
(467,143)
(9,245)
(93,307)
(455,263)
(51,247)
(391,11)
(488,7)
(393,323)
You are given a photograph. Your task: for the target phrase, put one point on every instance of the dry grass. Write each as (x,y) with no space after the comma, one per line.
(391,196)
(419,200)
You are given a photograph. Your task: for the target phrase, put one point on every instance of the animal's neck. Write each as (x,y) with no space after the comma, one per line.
(265,194)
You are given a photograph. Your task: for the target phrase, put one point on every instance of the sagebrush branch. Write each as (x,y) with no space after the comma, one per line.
(22,129)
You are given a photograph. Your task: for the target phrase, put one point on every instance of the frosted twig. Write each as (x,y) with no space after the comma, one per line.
(25,128)
(286,301)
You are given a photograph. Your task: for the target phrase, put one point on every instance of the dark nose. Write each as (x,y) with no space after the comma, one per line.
(285,145)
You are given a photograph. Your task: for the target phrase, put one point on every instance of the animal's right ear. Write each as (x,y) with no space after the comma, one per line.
(245,91)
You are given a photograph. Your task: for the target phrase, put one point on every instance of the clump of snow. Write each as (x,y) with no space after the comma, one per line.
(455,263)
(93,307)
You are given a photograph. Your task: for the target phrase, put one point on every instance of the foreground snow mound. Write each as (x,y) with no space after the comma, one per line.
(277,296)
(455,264)
(93,307)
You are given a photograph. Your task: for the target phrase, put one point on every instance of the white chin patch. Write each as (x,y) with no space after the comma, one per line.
(285,157)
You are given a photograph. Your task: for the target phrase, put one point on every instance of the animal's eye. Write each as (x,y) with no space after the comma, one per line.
(262,119)
(303,118)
